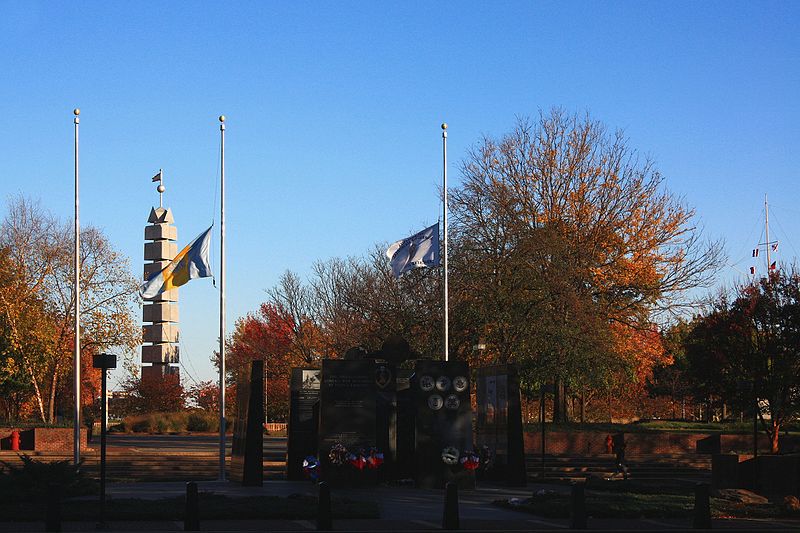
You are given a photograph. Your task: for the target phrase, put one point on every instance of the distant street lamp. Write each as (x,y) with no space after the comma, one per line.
(480,345)
(103,361)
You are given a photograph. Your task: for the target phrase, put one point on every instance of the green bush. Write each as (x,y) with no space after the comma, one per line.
(177,422)
(139,423)
(202,421)
(29,481)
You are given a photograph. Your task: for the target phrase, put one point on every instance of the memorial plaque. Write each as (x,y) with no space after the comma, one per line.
(247,451)
(347,416)
(499,425)
(402,432)
(303,419)
(443,423)
(385,415)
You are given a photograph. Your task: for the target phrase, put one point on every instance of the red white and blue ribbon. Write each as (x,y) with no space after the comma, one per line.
(470,460)
(375,459)
(311,467)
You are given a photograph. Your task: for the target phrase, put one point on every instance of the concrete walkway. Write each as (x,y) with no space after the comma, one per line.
(402,509)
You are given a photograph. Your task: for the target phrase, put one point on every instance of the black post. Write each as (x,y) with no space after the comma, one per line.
(755,438)
(450,519)
(191,517)
(702,507)
(324,520)
(542,418)
(52,520)
(103,416)
(577,507)
(103,361)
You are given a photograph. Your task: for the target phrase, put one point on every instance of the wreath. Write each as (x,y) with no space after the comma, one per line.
(450,455)
(338,455)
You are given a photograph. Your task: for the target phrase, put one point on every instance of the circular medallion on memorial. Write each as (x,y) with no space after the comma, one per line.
(435,402)
(452,402)
(443,383)
(426,383)
(460,383)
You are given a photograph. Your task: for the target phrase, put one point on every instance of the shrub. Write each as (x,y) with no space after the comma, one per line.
(202,421)
(139,423)
(29,481)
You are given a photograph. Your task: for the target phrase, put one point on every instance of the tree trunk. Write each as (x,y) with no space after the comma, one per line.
(51,407)
(583,408)
(37,393)
(560,402)
(774,437)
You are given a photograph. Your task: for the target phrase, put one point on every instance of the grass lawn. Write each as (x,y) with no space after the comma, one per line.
(212,507)
(652,426)
(631,500)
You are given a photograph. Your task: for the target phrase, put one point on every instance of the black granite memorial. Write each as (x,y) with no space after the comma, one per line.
(303,420)
(347,421)
(247,452)
(443,428)
(499,426)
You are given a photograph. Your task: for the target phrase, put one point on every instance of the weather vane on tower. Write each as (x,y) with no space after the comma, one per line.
(160,178)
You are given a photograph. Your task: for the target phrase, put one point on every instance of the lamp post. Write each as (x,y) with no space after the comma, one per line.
(103,361)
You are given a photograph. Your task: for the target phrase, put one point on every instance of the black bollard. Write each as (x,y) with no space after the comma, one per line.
(324,519)
(52,520)
(450,520)
(577,518)
(702,507)
(191,517)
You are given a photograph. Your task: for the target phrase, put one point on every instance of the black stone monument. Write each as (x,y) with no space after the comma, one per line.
(347,418)
(247,453)
(499,425)
(443,426)
(303,420)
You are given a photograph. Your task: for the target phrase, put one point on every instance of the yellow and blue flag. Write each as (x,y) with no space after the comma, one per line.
(194,261)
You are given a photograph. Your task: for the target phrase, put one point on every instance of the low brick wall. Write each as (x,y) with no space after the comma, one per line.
(582,442)
(43,439)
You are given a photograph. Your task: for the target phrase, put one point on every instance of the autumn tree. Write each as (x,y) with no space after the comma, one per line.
(567,245)
(205,395)
(40,256)
(266,334)
(749,348)
(142,396)
(673,379)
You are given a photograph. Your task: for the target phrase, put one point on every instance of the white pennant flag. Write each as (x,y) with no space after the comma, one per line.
(418,251)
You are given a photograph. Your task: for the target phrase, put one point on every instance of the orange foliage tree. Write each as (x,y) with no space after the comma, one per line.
(566,248)
(268,335)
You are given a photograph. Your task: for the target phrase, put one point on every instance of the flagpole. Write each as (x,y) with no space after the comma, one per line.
(766,227)
(76,440)
(444,217)
(222,302)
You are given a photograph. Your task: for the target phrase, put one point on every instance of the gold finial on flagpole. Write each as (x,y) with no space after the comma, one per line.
(444,125)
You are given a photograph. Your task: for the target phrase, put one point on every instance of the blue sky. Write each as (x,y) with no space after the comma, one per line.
(333,139)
